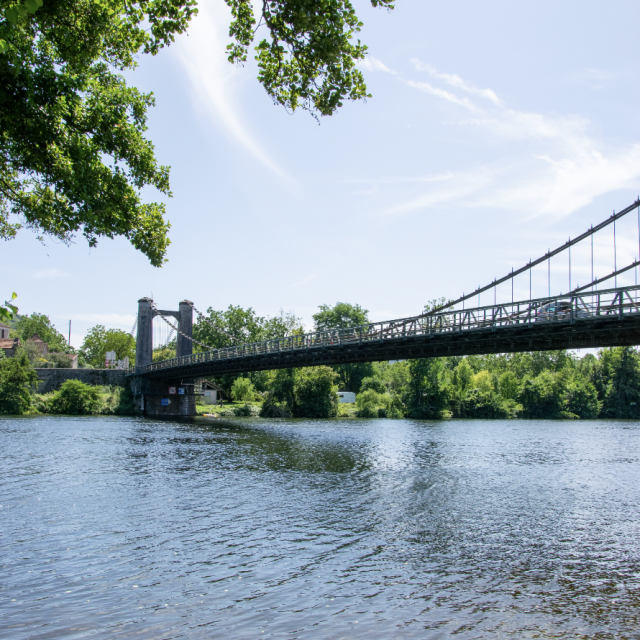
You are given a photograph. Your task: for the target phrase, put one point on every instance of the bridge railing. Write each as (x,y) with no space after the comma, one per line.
(558,309)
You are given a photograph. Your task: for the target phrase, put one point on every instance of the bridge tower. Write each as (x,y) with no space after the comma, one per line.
(166,397)
(144,340)
(184,346)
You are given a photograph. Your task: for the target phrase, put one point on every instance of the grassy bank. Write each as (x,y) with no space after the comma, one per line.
(245,409)
(230,409)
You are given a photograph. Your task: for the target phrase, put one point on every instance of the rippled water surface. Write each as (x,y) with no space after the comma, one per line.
(132,528)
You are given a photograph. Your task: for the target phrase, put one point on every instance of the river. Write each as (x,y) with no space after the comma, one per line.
(116,527)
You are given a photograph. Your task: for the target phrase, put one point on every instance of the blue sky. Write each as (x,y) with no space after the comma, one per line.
(496,130)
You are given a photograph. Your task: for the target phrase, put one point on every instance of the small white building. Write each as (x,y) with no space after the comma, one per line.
(4,331)
(211,392)
(347,396)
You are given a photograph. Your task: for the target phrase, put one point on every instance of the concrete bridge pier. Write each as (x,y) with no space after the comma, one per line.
(171,397)
(154,399)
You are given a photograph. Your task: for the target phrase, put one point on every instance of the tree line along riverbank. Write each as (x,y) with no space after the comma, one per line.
(555,384)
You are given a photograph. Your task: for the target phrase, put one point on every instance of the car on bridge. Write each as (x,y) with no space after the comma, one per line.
(559,310)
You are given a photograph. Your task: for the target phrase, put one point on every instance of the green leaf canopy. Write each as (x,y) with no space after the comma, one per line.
(73,156)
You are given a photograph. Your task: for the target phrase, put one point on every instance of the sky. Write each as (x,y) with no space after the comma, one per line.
(496,130)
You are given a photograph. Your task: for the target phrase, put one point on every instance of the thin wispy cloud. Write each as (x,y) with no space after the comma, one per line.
(370,63)
(214,80)
(593,78)
(425,87)
(374,185)
(303,281)
(552,164)
(519,125)
(453,187)
(456,81)
(560,186)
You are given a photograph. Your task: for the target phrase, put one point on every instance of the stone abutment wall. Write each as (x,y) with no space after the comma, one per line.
(52,379)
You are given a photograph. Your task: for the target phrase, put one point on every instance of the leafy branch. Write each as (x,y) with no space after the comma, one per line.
(7,309)
(17,12)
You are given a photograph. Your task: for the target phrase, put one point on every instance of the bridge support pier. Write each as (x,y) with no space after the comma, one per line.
(154,400)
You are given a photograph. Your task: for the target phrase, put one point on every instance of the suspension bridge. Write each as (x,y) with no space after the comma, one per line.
(586,316)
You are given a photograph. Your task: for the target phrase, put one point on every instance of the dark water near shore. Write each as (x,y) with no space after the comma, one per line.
(131,528)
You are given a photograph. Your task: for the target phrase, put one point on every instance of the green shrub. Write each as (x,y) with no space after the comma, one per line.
(273,409)
(246,410)
(367,412)
(17,379)
(242,390)
(394,412)
(346,410)
(508,385)
(582,400)
(76,398)
(164,353)
(223,412)
(41,402)
(374,383)
(427,396)
(542,396)
(52,361)
(119,401)
(316,394)
(618,382)
(35,356)
(60,360)
(484,381)
(371,404)
(485,404)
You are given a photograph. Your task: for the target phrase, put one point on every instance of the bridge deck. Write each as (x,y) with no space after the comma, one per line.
(589,319)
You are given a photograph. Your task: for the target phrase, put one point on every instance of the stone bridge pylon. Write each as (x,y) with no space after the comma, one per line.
(167,397)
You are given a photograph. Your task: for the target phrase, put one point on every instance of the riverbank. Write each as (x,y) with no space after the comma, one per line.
(554,385)
(255,409)
(75,398)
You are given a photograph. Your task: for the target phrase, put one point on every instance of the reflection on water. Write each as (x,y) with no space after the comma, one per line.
(132,528)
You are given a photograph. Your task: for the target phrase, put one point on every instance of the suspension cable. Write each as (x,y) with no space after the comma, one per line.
(169,337)
(546,256)
(184,335)
(613,274)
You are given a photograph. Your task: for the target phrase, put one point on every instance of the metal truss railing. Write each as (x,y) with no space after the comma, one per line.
(574,308)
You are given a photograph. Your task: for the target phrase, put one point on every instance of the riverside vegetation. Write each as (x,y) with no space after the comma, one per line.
(95,346)
(552,384)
